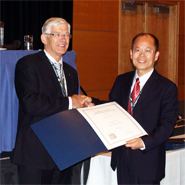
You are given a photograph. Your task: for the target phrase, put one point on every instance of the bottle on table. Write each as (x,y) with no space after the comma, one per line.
(1,34)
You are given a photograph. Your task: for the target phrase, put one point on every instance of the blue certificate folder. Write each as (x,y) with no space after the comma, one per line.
(68,138)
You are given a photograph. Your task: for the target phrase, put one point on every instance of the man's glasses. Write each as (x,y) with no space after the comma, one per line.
(146,51)
(59,35)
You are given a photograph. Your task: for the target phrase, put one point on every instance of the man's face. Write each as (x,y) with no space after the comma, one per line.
(56,46)
(144,54)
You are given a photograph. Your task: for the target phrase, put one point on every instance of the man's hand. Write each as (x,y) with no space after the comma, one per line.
(87,101)
(79,101)
(135,144)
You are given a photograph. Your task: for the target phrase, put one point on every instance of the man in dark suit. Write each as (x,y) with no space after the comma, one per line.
(142,160)
(45,85)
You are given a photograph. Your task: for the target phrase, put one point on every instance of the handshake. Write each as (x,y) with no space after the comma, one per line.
(79,101)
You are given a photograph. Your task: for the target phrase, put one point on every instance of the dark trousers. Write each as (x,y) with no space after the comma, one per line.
(71,175)
(32,175)
(126,172)
(77,170)
(8,172)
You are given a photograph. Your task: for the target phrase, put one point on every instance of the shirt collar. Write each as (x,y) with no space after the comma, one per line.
(51,58)
(143,79)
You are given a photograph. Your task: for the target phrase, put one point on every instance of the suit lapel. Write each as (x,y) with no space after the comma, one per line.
(50,71)
(67,76)
(127,88)
(150,85)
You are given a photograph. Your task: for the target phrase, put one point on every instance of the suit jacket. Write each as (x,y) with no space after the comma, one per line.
(156,111)
(40,96)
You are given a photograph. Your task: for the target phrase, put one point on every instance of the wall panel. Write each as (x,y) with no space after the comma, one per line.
(96,59)
(162,25)
(158,24)
(182,18)
(181,53)
(181,65)
(181,92)
(95,40)
(131,23)
(95,15)
(101,94)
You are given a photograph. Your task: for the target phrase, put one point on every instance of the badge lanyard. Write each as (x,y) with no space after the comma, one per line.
(63,88)
(131,102)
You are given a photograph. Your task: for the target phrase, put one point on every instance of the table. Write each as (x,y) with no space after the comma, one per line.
(178,138)
(101,173)
(8,97)
(175,168)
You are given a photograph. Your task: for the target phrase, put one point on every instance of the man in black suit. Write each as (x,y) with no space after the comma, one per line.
(45,85)
(142,160)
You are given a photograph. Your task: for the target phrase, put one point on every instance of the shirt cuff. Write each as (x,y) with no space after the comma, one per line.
(143,148)
(70,103)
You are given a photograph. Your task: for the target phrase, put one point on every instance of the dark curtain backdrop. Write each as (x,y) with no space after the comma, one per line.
(27,17)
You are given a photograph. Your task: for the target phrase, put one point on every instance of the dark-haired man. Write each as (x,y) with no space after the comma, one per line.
(153,101)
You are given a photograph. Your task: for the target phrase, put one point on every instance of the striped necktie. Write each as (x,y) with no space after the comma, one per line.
(134,95)
(59,68)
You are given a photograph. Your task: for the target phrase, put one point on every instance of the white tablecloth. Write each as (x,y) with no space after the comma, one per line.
(175,168)
(101,173)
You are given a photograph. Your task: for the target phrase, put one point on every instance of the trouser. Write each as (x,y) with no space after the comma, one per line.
(32,175)
(81,172)
(8,170)
(71,175)
(126,172)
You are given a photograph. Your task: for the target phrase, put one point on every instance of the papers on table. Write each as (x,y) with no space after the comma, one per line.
(112,123)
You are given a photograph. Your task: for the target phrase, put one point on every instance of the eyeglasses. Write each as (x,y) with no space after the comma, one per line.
(59,35)
(146,51)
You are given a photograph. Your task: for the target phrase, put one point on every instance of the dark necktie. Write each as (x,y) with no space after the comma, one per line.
(134,95)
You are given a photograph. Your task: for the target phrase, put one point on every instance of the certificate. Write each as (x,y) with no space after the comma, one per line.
(74,135)
(112,124)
